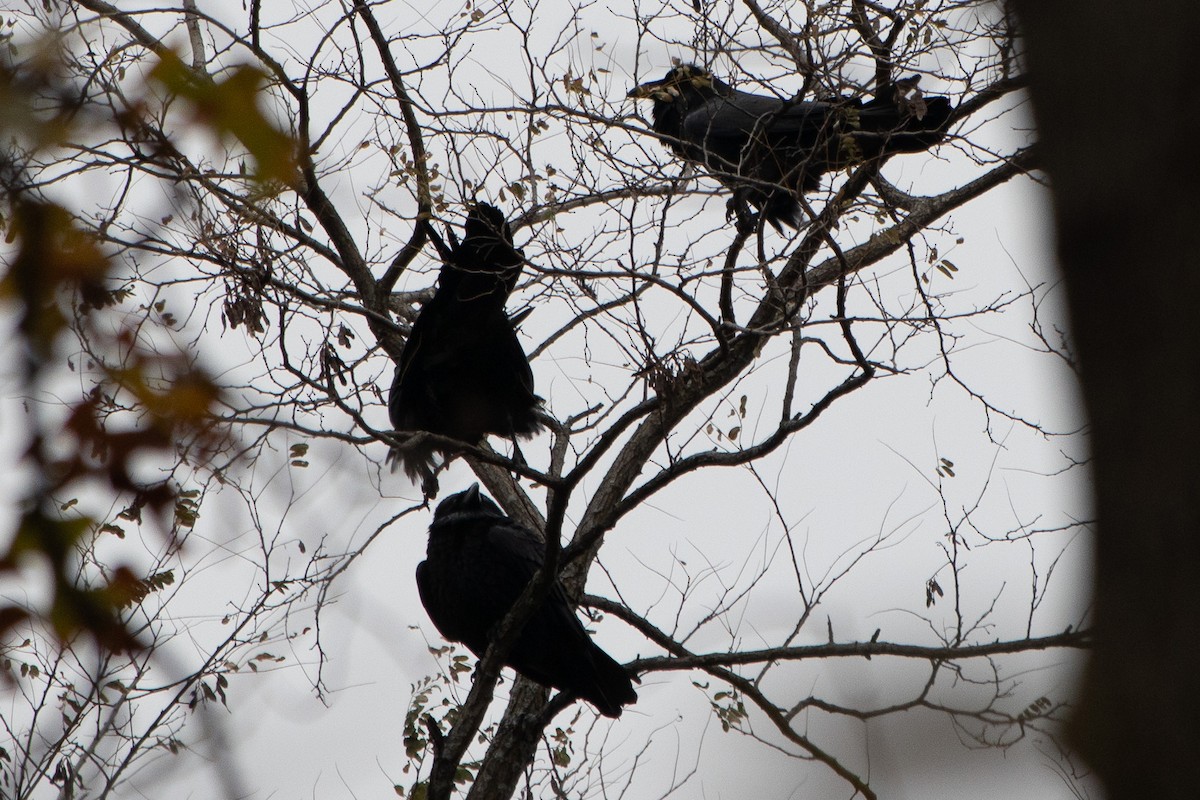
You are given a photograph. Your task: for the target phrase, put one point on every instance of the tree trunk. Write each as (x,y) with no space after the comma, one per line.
(512,750)
(1116,99)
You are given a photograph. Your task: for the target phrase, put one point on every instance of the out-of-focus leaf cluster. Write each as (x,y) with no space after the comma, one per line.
(148,406)
(230,108)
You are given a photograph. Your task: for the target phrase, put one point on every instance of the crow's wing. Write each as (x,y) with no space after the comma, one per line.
(744,114)
(553,648)
(444,339)
(507,362)
(518,553)
(422,353)
(448,610)
(472,575)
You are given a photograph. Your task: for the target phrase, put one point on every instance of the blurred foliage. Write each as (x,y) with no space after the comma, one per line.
(230,108)
(149,404)
(58,269)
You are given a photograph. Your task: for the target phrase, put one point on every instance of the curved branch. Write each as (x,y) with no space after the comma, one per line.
(416,143)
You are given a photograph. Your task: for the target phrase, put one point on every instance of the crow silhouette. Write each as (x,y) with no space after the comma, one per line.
(476,565)
(463,373)
(769,150)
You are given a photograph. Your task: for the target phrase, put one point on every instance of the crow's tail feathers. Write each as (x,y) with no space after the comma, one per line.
(418,462)
(910,125)
(608,687)
(781,208)
(777,207)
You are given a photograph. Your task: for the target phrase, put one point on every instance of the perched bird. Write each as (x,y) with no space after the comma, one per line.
(463,373)
(476,565)
(769,150)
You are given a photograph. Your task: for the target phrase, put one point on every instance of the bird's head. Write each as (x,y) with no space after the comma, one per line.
(486,264)
(470,503)
(487,221)
(682,81)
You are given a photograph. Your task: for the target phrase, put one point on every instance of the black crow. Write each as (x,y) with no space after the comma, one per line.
(769,150)
(476,565)
(463,373)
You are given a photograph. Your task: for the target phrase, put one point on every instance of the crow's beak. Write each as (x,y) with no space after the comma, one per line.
(645,90)
(664,91)
(472,494)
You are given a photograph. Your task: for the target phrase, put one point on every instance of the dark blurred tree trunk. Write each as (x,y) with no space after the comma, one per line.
(1118,108)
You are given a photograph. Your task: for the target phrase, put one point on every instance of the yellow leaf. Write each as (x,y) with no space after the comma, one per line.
(231,108)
